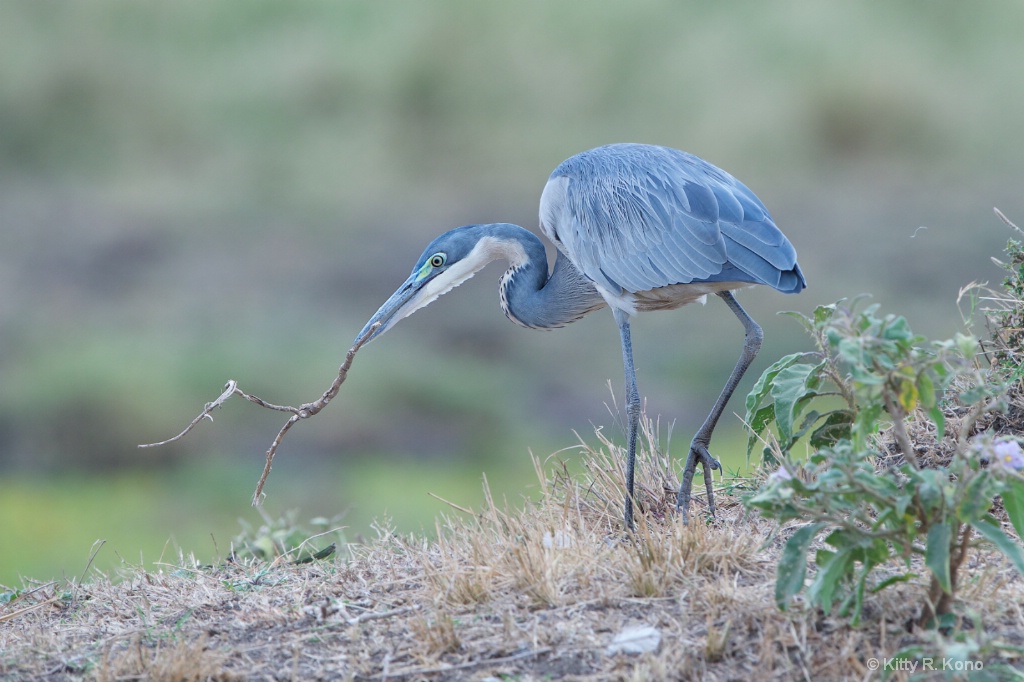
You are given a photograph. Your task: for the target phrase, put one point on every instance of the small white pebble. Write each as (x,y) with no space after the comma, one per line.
(558,540)
(635,639)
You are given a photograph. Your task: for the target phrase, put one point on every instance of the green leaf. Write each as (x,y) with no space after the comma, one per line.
(967,345)
(833,568)
(847,539)
(805,322)
(877,552)
(823,314)
(836,426)
(936,556)
(926,391)
(858,596)
(975,394)
(908,395)
(757,424)
(892,580)
(989,529)
(940,422)
(763,386)
(852,351)
(975,497)
(931,489)
(866,424)
(808,421)
(898,330)
(1013,500)
(768,458)
(792,388)
(793,564)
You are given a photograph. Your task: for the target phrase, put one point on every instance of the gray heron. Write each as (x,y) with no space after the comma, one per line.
(637,227)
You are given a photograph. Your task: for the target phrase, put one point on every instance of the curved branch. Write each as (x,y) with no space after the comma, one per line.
(303,411)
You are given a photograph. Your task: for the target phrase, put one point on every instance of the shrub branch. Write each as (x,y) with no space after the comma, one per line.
(899,427)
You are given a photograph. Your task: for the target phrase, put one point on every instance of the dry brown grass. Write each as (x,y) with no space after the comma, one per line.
(507,594)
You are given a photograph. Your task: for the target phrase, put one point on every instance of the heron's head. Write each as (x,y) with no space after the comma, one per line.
(447,262)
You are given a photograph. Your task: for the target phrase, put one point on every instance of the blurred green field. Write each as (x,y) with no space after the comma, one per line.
(147,518)
(192,192)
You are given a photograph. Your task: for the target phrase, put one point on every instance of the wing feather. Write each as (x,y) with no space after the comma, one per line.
(639,217)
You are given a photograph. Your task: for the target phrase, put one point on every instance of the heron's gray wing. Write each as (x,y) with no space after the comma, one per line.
(636,217)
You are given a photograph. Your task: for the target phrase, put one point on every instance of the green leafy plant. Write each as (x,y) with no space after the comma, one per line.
(877,498)
(286,537)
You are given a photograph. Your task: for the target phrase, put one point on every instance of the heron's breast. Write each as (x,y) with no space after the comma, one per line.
(678,295)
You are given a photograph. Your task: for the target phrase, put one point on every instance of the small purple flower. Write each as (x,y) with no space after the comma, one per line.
(779,475)
(1007,454)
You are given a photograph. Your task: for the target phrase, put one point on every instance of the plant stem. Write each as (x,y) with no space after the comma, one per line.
(899,427)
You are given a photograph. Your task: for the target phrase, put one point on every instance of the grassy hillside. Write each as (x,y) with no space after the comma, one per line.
(553,592)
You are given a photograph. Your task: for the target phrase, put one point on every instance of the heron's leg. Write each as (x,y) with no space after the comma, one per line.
(632,411)
(699,447)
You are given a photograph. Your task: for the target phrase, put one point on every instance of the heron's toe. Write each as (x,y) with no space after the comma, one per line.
(700,451)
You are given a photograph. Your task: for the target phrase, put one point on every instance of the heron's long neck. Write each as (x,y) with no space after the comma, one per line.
(530,296)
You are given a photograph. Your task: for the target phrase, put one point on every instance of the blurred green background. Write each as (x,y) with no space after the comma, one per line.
(192,192)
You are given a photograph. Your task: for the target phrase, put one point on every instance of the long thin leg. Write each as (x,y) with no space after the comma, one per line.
(632,410)
(699,446)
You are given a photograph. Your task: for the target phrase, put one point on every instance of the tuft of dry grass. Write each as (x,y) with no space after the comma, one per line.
(530,593)
(186,660)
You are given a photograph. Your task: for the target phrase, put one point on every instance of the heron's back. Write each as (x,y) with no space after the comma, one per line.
(637,218)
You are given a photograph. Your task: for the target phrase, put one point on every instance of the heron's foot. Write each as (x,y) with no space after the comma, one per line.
(698,452)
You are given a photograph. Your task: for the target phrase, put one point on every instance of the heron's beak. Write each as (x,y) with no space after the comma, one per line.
(402,303)
(422,288)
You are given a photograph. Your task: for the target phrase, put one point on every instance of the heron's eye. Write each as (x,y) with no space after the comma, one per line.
(438,259)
